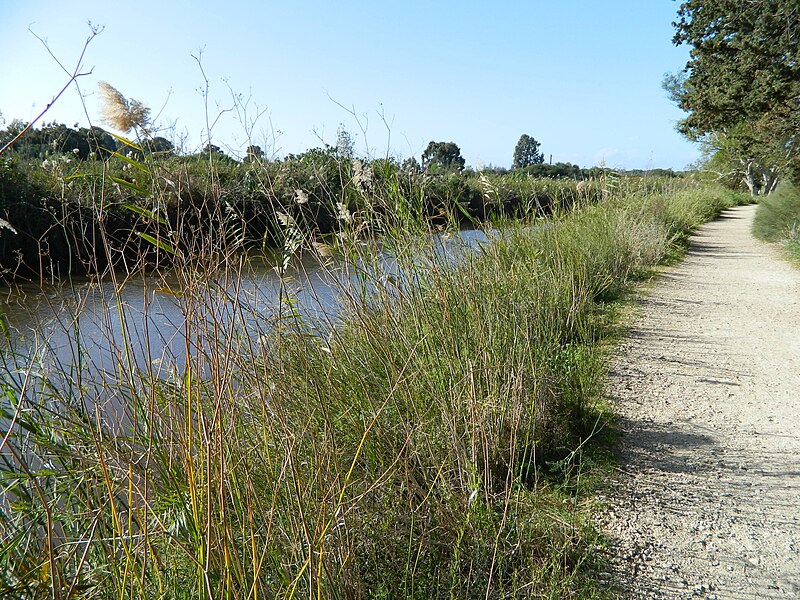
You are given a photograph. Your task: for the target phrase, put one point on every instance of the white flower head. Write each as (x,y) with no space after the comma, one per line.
(344,213)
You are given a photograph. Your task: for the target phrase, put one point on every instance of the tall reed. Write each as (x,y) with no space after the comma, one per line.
(416,444)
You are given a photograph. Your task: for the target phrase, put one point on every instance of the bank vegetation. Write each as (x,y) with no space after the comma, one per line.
(433,440)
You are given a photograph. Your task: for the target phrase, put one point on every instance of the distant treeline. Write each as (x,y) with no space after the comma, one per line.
(562,170)
(79,200)
(95,142)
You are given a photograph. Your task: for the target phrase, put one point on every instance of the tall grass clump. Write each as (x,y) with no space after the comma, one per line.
(426,441)
(778,219)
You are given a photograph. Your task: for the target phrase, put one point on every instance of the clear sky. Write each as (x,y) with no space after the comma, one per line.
(581,76)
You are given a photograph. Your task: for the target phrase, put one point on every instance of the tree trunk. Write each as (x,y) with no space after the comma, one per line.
(771,178)
(750,177)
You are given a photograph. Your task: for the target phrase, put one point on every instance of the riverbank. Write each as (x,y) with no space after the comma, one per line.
(132,209)
(706,501)
(435,442)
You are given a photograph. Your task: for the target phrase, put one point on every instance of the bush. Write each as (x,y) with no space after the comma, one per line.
(778,219)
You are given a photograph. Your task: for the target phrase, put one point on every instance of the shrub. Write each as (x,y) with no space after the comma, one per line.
(778,219)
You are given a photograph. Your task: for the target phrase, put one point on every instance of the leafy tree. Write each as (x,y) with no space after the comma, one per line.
(253,153)
(158,145)
(741,87)
(556,171)
(491,169)
(50,138)
(411,165)
(527,153)
(751,154)
(745,60)
(442,157)
(214,153)
(101,143)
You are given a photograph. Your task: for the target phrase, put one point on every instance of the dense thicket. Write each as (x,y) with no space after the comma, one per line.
(81,200)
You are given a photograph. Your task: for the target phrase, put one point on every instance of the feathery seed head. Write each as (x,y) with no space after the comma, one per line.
(121,113)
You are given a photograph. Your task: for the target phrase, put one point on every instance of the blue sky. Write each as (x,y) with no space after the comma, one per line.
(582,77)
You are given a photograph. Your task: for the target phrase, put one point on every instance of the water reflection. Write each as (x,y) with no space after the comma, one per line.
(102,328)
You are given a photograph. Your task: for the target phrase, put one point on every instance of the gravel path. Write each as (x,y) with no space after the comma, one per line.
(707,385)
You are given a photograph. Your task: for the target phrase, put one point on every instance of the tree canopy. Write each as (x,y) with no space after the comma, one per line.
(345,143)
(744,62)
(741,86)
(58,138)
(442,156)
(527,153)
(158,145)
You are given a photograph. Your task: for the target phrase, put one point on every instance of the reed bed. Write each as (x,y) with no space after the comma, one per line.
(427,441)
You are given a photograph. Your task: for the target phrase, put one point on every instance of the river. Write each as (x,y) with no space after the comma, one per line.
(97,327)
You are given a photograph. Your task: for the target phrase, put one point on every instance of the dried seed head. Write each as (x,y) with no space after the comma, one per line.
(121,113)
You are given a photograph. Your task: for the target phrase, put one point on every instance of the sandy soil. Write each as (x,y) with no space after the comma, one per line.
(707,385)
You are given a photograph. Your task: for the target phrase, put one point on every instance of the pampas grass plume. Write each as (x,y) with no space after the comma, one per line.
(121,113)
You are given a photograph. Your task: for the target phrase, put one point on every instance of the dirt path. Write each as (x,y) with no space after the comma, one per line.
(707,503)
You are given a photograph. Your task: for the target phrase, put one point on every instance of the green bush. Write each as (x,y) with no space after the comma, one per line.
(778,219)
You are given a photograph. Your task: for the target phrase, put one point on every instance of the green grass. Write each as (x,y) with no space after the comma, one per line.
(436,442)
(778,220)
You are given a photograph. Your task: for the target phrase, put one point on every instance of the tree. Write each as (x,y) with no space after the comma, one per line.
(50,138)
(755,154)
(158,146)
(101,143)
(741,87)
(410,165)
(442,157)
(556,171)
(527,153)
(253,153)
(214,152)
(744,62)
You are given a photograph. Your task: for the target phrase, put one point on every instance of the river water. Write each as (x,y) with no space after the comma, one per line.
(94,328)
